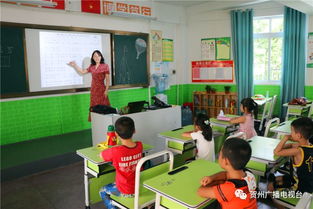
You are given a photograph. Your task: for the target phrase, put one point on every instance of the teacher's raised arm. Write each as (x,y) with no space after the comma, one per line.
(76,67)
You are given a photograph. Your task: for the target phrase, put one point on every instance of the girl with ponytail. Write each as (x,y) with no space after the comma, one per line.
(246,121)
(203,136)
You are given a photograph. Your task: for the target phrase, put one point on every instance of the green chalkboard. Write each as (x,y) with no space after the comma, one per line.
(13,76)
(130,59)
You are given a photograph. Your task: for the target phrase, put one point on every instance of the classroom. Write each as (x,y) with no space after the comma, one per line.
(193,76)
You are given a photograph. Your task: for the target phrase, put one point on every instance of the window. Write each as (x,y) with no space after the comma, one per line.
(268,48)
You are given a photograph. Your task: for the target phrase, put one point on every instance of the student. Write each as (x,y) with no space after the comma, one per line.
(301,154)
(203,137)
(246,122)
(232,188)
(124,158)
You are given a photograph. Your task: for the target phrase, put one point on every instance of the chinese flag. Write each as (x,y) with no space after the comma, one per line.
(91,6)
(61,4)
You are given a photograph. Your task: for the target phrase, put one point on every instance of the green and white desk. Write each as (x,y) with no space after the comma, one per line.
(296,110)
(95,166)
(282,129)
(175,142)
(180,189)
(261,102)
(263,149)
(224,126)
(262,156)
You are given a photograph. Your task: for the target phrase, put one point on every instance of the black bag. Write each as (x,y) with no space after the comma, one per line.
(103,109)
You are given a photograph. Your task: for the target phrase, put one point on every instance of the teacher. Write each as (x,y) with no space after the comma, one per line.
(99,72)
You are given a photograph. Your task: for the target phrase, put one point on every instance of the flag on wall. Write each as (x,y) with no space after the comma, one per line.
(91,6)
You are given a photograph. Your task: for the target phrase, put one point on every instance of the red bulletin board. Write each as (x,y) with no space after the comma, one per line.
(212,71)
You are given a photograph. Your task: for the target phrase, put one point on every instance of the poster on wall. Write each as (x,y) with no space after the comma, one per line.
(212,71)
(310,51)
(168,52)
(208,49)
(156,45)
(223,48)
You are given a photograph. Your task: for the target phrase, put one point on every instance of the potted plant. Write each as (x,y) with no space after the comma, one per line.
(208,88)
(213,90)
(227,89)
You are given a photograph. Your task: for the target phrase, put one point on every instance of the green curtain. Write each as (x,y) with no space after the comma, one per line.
(242,40)
(294,55)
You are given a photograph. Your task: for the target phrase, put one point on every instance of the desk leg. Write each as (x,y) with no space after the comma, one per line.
(157,201)
(86,182)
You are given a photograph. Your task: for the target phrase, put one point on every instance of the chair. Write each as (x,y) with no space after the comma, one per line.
(241,135)
(310,115)
(270,124)
(265,113)
(144,197)
(305,202)
(270,114)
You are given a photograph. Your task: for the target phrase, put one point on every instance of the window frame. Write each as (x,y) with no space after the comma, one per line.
(268,35)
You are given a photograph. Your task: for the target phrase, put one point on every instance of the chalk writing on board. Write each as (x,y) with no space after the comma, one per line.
(140,46)
(6,53)
(57,49)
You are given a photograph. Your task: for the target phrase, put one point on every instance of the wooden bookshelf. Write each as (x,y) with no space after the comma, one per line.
(212,103)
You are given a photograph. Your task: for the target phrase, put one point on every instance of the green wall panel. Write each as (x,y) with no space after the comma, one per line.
(22,120)
(27,119)
(308,91)
(272,90)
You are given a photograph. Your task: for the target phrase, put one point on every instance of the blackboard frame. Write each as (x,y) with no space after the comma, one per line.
(77,29)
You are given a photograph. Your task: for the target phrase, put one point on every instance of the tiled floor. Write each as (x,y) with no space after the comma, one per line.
(61,188)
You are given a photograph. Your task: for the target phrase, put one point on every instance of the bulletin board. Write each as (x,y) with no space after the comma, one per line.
(212,71)
(216,48)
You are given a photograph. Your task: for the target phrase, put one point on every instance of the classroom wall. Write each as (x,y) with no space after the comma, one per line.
(210,24)
(35,117)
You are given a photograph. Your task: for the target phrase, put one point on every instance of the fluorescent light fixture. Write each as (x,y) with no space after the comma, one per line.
(132,15)
(35,2)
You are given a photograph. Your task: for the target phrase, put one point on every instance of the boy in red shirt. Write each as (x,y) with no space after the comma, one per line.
(232,188)
(124,158)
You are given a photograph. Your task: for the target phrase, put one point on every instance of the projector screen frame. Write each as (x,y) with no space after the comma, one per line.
(73,29)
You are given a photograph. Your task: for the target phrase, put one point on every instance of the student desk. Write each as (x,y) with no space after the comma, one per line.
(282,129)
(261,102)
(175,142)
(180,189)
(225,126)
(95,166)
(263,149)
(296,110)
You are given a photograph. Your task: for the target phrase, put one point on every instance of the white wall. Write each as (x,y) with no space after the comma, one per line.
(211,24)
(170,20)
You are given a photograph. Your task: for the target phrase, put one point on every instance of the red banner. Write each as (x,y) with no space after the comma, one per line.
(135,9)
(108,7)
(146,11)
(212,71)
(121,7)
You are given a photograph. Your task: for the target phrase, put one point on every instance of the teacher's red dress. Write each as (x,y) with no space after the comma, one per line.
(97,96)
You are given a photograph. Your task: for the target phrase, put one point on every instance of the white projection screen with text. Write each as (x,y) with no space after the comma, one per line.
(50,51)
